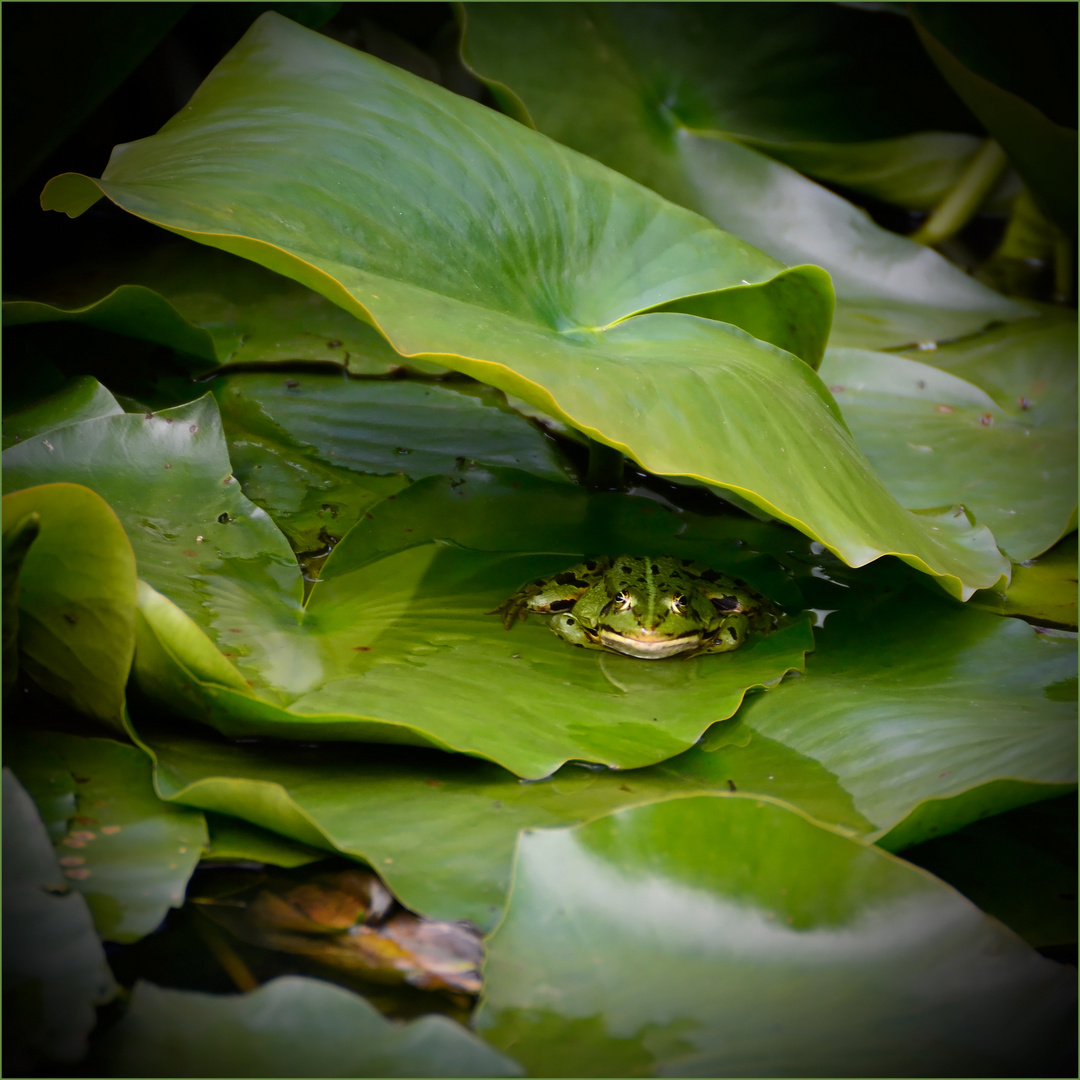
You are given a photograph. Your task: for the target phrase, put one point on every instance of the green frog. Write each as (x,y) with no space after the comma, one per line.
(649,608)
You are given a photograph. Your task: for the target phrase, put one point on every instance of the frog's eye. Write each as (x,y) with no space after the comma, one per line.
(624,601)
(677,604)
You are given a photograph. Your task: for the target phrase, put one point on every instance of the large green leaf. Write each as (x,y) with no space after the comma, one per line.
(76,620)
(641,88)
(400,650)
(939,440)
(291,1026)
(55,971)
(441,830)
(129,854)
(711,937)
(397,223)
(213,309)
(954,715)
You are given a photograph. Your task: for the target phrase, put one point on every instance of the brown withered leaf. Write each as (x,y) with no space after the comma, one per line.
(348,920)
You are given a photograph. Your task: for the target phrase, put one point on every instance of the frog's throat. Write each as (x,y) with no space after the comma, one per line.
(646,649)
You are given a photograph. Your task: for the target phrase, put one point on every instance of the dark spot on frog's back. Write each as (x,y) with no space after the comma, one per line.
(591,564)
(569,578)
(725,603)
(655,568)
(561,605)
(711,575)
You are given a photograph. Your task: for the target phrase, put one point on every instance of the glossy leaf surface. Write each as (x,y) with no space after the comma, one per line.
(291,1026)
(55,971)
(126,852)
(938,440)
(76,624)
(639,88)
(551,300)
(82,399)
(167,476)
(756,966)
(947,698)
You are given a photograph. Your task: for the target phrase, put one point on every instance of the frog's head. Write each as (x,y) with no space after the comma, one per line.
(652,624)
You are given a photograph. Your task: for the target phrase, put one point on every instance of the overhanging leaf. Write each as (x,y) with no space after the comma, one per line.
(76,626)
(550,300)
(129,854)
(772,947)
(847,96)
(642,89)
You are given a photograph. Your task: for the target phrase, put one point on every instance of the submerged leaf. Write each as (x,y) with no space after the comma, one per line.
(317,451)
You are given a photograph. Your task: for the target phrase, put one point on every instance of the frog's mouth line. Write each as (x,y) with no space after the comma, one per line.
(650,650)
